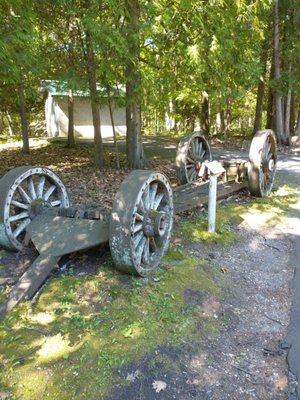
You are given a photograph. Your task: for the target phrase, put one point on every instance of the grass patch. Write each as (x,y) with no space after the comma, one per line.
(195,229)
(81,331)
(258,212)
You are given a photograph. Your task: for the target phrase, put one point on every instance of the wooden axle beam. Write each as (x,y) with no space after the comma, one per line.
(195,194)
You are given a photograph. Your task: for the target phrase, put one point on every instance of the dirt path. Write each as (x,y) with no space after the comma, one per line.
(244,359)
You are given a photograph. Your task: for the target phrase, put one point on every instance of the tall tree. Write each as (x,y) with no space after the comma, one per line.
(71,61)
(23,113)
(261,86)
(21,63)
(205,124)
(91,73)
(71,130)
(298,125)
(277,73)
(135,153)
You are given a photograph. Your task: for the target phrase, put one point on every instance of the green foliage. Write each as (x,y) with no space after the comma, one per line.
(186,48)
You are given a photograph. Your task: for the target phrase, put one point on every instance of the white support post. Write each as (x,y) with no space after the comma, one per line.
(212,201)
(215,169)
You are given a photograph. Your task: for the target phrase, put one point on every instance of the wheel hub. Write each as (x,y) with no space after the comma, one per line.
(155,224)
(37,207)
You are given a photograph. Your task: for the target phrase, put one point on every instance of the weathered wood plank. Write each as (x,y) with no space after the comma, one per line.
(57,236)
(30,282)
(191,196)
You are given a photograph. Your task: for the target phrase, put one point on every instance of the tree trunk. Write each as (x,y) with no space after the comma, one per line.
(228,117)
(134,150)
(287,118)
(2,124)
(9,124)
(114,132)
(298,126)
(205,126)
(292,115)
(222,120)
(278,99)
(287,111)
(71,134)
(91,72)
(270,123)
(261,87)
(23,116)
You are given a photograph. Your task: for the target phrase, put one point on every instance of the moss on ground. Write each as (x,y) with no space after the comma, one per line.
(82,330)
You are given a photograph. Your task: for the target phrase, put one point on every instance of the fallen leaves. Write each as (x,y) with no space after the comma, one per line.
(133,376)
(85,183)
(158,386)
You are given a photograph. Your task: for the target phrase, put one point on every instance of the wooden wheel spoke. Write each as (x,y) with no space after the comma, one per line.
(190,172)
(138,238)
(202,155)
(146,199)
(158,200)
(31,188)
(20,205)
(55,203)
(194,175)
(24,195)
(193,148)
(138,227)
(21,228)
(152,194)
(49,192)
(40,187)
(200,149)
(17,217)
(266,150)
(140,248)
(141,207)
(146,251)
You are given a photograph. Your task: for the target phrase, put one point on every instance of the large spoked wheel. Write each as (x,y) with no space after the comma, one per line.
(141,222)
(192,151)
(23,192)
(262,163)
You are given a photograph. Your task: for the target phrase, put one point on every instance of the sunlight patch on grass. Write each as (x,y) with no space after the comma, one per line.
(272,210)
(54,348)
(42,318)
(257,213)
(195,229)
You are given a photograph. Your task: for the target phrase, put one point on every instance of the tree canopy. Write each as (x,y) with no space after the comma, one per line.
(220,66)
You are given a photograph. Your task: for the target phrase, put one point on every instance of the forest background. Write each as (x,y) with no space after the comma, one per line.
(227,67)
